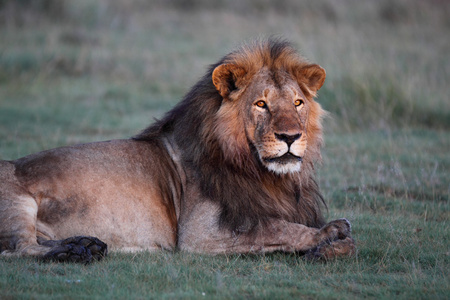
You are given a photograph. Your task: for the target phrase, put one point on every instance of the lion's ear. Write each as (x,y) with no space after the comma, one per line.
(227,78)
(311,79)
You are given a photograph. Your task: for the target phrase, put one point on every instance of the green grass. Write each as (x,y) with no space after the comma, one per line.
(103,71)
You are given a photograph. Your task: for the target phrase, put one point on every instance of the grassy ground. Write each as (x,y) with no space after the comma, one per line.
(89,71)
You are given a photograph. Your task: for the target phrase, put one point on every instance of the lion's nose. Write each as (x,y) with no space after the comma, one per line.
(288,138)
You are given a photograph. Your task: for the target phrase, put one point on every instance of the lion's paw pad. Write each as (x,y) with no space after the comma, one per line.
(80,249)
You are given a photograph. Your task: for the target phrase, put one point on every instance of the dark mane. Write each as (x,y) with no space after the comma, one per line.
(247,193)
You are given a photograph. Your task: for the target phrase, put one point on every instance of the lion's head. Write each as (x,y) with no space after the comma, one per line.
(250,131)
(267,95)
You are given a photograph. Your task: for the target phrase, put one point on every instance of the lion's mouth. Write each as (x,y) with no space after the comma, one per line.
(284,159)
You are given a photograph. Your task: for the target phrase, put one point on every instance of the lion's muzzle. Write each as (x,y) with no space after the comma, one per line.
(285,154)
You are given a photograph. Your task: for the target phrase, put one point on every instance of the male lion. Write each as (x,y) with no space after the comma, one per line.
(229,170)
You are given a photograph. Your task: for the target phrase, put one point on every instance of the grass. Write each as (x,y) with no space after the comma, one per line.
(103,71)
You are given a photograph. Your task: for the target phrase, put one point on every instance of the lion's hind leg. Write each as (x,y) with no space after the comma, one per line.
(18,213)
(18,233)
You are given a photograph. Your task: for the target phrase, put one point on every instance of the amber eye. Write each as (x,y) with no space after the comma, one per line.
(298,102)
(261,104)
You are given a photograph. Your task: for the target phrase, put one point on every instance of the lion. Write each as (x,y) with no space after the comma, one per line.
(230,169)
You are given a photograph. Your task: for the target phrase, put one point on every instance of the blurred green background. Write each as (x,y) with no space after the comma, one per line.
(82,71)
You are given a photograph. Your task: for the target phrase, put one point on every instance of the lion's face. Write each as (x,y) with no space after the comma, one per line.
(268,112)
(275,121)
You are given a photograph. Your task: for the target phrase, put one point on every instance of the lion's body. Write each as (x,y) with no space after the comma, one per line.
(88,194)
(230,169)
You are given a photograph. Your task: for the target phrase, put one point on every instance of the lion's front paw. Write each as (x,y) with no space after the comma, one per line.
(80,249)
(338,248)
(335,230)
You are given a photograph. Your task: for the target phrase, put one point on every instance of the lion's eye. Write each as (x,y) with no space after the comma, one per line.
(298,102)
(261,104)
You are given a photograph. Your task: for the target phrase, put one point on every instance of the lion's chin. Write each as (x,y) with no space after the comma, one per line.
(287,163)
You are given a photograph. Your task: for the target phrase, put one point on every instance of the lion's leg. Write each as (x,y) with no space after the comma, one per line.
(18,215)
(18,224)
(18,212)
(291,237)
(200,233)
